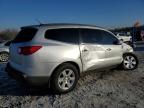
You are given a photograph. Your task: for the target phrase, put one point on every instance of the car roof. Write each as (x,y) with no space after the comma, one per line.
(63,25)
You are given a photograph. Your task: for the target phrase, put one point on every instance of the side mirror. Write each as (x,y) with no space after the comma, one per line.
(121,40)
(117,42)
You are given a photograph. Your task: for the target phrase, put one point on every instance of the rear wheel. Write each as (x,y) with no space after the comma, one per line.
(65,78)
(130,62)
(4,57)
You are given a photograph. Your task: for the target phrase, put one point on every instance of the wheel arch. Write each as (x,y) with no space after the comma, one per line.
(130,53)
(4,52)
(70,62)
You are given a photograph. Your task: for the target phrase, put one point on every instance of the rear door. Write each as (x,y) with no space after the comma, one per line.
(92,54)
(61,45)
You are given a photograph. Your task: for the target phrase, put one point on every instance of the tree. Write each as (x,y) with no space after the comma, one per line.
(8,34)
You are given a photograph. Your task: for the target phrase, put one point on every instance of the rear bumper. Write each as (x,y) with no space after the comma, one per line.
(30,80)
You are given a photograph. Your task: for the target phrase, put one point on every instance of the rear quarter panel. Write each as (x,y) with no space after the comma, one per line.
(56,52)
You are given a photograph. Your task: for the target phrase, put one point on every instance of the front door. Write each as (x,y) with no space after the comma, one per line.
(99,49)
(113,48)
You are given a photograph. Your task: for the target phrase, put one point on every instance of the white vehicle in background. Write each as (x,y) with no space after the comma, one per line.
(124,37)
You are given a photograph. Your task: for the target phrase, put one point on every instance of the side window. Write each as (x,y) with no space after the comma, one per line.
(97,36)
(108,38)
(67,35)
(91,36)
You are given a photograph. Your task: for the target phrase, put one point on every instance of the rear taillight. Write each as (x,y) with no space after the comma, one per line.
(27,50)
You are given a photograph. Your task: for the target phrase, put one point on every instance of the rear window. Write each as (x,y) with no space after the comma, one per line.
(67,35)
(25,35)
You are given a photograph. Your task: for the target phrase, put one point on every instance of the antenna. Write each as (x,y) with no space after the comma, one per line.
(37,20)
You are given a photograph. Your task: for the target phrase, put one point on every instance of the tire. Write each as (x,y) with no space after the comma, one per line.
(130,62)
(64,78)
(4,57)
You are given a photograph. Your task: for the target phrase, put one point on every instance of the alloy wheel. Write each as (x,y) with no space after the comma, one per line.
(129,62)
(66,79)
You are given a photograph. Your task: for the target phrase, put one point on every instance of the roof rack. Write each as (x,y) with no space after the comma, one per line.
(61,24)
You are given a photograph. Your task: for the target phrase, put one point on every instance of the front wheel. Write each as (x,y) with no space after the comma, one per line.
(130,62)
(65,78)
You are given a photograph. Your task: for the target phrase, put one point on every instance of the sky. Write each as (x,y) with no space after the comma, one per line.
(104,13)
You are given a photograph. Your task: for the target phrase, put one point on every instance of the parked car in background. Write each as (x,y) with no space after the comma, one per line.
(124,37)
(56,55)
(4,51)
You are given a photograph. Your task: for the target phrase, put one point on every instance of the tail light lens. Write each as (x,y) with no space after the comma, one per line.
(27,50)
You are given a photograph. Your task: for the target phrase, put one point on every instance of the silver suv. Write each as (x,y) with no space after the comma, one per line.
(56,54)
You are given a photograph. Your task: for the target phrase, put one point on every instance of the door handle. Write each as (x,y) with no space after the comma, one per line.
(109,49)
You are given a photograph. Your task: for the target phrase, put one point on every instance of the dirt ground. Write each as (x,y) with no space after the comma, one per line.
(100,89)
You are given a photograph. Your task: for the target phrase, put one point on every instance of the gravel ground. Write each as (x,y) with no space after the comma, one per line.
(101,89)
